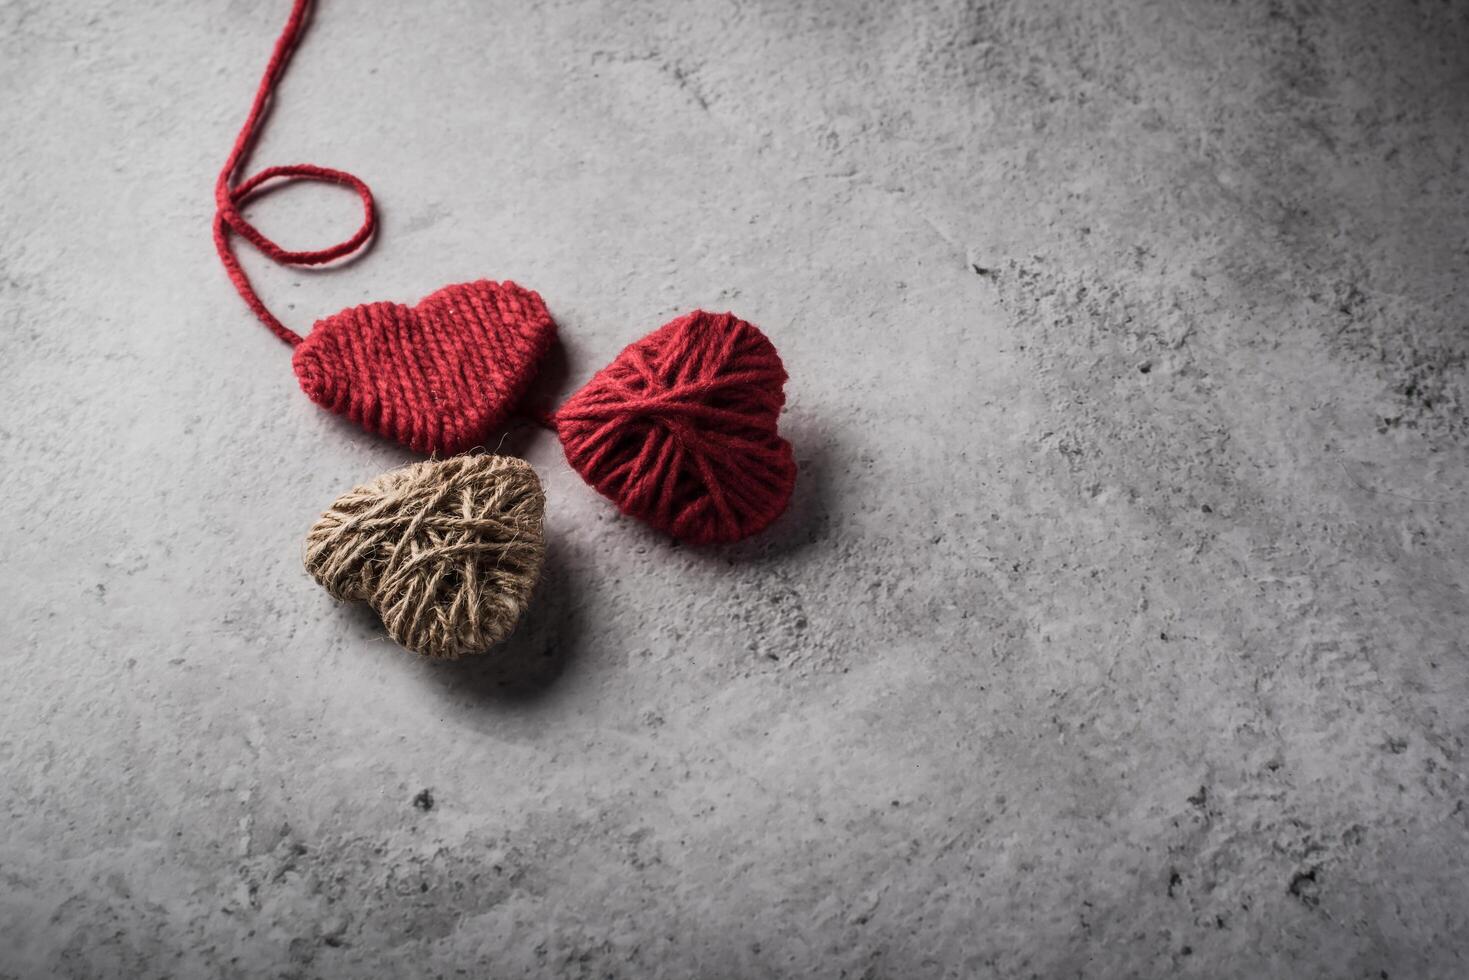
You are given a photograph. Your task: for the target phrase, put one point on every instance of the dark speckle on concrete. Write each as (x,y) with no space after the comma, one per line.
(1305,888)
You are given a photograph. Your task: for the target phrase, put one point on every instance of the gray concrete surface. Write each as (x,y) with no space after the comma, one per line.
(1117,629)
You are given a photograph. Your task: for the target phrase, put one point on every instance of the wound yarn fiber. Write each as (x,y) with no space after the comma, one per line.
(681,430)
(438,377)
(447,552)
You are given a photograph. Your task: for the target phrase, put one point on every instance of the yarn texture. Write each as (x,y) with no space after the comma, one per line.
(447,552)
(681,430)
(437,377)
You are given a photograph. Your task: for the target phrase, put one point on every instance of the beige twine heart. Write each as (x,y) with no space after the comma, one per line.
(448,551)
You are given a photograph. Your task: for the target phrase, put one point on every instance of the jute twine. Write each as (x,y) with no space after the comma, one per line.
(448,552)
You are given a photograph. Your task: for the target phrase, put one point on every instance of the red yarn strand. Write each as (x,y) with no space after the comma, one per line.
(229,197)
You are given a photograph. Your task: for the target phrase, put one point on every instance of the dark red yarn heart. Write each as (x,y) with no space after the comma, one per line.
(438,377)
(680,430)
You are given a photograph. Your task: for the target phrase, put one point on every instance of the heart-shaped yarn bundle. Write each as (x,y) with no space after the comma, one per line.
(438,377)
(680,430)
(447,552)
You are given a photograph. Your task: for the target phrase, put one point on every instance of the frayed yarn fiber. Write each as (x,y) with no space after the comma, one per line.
(680,430)
(447,552)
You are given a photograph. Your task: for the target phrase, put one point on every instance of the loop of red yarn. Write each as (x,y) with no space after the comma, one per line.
(229,196)
(680,430)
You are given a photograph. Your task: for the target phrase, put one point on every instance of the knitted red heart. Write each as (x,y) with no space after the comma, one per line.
(437,377)
(681,430)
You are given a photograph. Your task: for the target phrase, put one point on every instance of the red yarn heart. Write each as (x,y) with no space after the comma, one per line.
(681,430)
(437,377)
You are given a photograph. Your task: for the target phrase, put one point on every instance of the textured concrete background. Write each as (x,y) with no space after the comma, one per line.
(1117,629)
